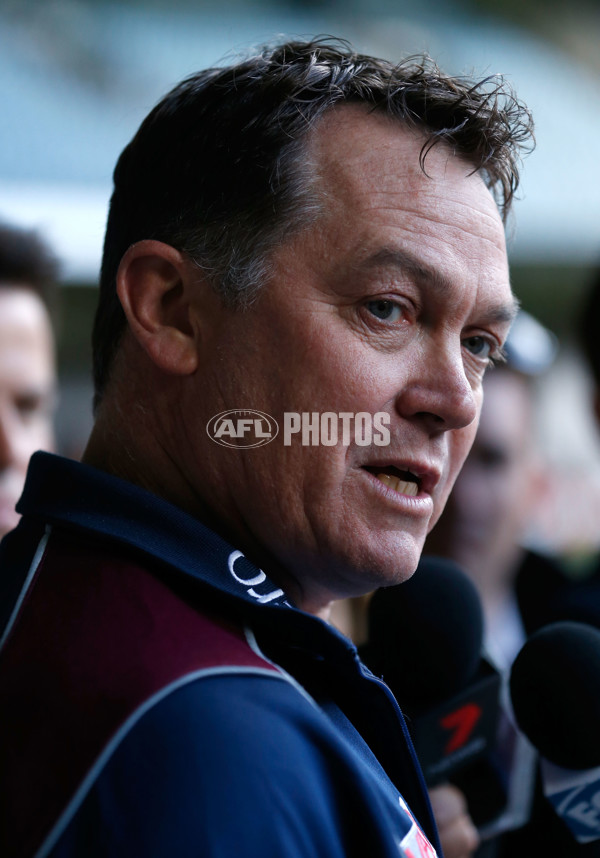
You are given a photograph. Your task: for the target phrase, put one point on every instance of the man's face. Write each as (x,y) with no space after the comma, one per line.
(391,303)
(27,391)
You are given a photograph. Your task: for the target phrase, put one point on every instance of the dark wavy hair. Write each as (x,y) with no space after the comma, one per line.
(219,168)
(27,261)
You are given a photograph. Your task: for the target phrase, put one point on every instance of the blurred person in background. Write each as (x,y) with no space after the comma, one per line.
(494,501)
(582,600)
(28,273)
(484,528)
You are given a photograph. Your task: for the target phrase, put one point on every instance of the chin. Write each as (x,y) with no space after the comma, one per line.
(388,565)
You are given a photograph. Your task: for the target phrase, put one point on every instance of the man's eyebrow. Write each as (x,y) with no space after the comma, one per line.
(411,264)
(406,261)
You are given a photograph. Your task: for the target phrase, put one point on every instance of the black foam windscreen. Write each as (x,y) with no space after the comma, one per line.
(555,691)
(425,635)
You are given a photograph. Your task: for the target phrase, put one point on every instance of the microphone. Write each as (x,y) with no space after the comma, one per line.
(555,691)
(425,638)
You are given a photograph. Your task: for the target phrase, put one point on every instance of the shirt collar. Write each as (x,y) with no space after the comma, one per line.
(65,492)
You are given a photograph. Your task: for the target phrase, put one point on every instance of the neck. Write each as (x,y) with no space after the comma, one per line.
(147,441)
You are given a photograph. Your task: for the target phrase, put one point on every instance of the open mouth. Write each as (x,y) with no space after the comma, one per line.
(403,482)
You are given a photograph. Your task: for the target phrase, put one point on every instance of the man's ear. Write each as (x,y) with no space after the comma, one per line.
(154,287)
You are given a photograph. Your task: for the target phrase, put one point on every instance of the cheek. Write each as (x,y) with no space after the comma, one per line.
(516,495)
(36,435)
(341,377)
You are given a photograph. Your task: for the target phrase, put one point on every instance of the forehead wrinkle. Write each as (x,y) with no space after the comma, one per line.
(407,262)
(417,212)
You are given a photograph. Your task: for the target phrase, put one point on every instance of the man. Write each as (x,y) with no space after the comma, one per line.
(580,600)
(484,528)
(308,232)
(27,365)
(497,495)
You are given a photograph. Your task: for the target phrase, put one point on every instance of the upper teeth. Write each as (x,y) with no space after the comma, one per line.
(403,486)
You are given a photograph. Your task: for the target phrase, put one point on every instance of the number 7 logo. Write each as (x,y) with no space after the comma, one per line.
(462,721)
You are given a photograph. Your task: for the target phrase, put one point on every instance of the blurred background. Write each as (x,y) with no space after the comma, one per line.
(78,76)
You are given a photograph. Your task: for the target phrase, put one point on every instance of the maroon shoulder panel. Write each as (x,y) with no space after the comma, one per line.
(96,637)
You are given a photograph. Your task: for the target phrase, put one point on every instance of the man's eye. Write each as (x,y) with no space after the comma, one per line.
(28,404)
(33,405)
(387,311)
(479,346)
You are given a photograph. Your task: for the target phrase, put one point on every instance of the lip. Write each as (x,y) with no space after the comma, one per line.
(415,506)
(427,475)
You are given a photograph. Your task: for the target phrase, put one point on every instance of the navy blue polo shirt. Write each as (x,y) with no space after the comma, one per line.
(159,695)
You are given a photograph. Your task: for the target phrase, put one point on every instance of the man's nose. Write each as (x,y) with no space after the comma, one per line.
(439,392)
